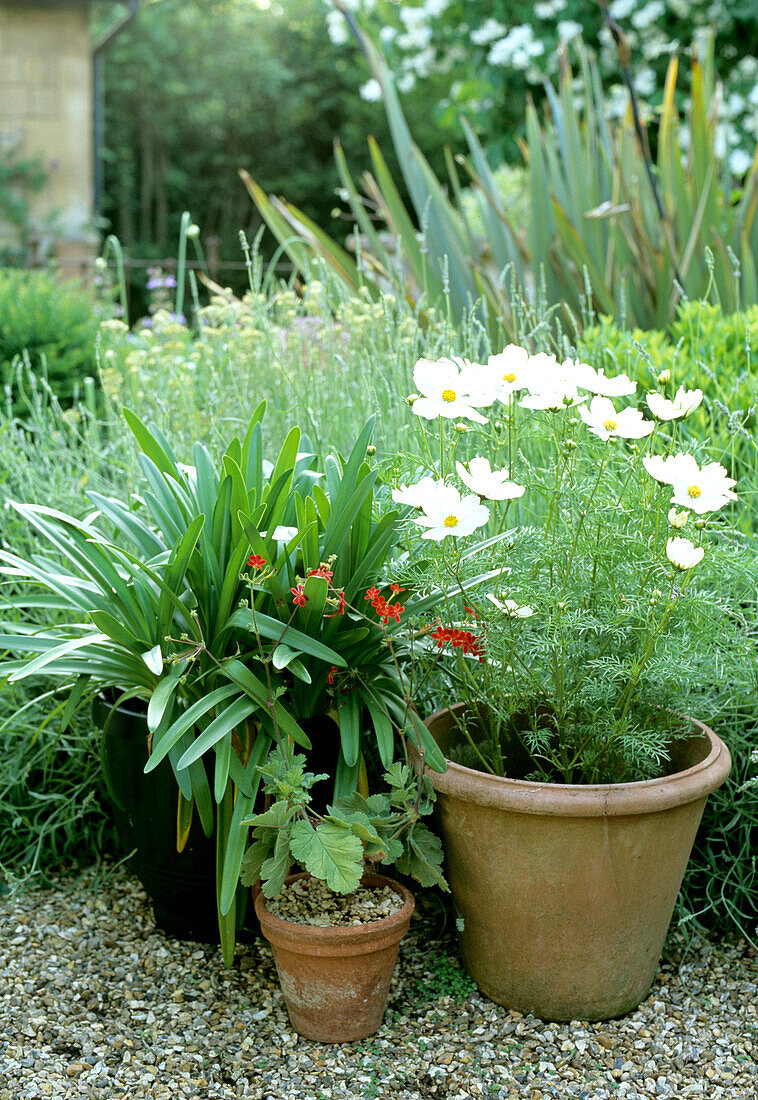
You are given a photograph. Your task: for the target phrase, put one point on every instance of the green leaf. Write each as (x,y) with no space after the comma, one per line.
(153,658)
(152,443)
(273,629)
(240,674)
(284,657)
(53,655)
(349,720)
(224,723)
(252,862)
(274,870)
(162,695)
(423,858)
(382,723)
(186,721)
(329,852)
(116,630)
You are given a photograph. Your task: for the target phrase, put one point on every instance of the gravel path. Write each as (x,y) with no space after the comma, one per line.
(95,1003)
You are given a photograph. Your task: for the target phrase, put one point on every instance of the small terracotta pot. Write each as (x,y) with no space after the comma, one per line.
(336,981)
(566,892)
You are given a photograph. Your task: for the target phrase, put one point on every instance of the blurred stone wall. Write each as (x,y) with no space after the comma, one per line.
(46,110)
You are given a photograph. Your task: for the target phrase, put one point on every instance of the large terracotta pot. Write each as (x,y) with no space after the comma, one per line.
(566,892)
(336,981)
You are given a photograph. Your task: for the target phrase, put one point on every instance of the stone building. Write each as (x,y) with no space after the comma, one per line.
(47,113)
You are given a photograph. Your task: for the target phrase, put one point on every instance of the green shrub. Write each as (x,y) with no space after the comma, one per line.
(54,323)
(704,348)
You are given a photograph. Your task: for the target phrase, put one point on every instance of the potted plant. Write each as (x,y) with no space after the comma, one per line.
(335,928)
(172,610)
(575,779)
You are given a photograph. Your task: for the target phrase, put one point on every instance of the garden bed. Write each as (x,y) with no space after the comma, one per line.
(94,1002)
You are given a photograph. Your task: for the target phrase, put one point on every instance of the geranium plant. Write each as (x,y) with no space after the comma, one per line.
(355,834)
(603,622)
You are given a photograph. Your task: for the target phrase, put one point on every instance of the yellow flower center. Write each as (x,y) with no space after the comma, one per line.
(448,395)
(695,491)
(451,521)
(610,425)
(509,376)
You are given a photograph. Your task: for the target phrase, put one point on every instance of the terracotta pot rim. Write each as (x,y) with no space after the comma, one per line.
(573,800)
(337,935)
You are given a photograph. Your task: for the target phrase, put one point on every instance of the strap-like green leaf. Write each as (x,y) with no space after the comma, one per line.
(231,716)
(187,720)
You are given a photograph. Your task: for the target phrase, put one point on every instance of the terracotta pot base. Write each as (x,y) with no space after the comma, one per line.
(336,981)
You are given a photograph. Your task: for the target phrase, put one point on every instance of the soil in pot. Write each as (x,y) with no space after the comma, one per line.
(311,901)
(336,978)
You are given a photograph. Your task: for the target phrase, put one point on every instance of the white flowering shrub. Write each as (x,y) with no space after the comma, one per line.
(495,52)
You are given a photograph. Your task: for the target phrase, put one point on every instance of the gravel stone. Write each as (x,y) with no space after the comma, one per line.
(94,1002)
(312,902)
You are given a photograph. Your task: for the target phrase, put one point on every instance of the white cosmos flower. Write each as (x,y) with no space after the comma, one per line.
(553,385)
(683,554)
(603,421)
(447,513)
(678,519)
(662,469)
(701,491)
(485,481)
(511,608)
(451,388)
(510,370)
(415,495)
(685,402)
(619,385)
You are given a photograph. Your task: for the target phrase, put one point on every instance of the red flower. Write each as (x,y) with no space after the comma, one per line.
(459,639)
(395,589)
(330,674)
(323,572)
(256,561)
(299,597)
(340,608)
(372,594)
(393,611)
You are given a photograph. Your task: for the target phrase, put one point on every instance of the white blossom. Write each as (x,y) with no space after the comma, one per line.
(683,554)
(486,482)
(371,91)
(446,512)
(684,403)
(678,520)
(605,422)
(415,495)
(451,388)
(701,490)
(511,607)
(489,30)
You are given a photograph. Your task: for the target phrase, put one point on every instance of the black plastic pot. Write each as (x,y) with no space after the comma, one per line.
(181,885)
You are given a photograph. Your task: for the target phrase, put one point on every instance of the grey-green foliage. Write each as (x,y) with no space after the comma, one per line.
(356,831)
(599,237)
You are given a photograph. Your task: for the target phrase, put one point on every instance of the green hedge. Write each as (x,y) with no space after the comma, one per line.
(704,348)
(52,321)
